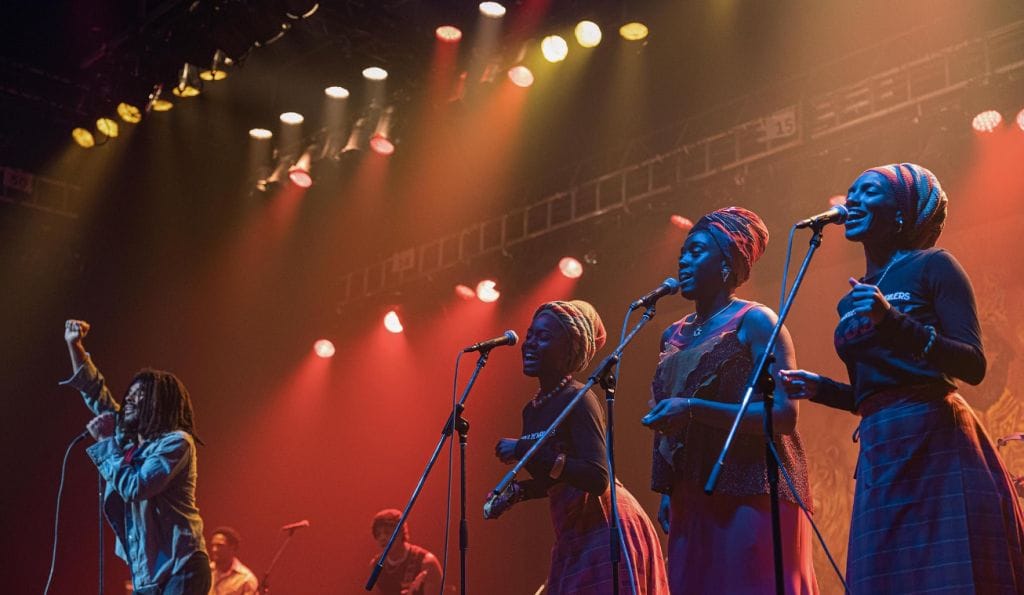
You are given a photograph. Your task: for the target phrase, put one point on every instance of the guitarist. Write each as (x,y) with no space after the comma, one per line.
(409,569)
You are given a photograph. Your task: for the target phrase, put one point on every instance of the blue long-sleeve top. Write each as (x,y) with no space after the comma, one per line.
(149,499)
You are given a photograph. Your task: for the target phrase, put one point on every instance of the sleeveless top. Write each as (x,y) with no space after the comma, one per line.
(716,367)
(393,579)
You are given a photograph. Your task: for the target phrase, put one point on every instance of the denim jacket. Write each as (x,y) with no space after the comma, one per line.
(149,500)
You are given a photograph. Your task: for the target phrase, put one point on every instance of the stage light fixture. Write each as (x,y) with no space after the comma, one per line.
(381,141)
(554,48)
(157,102)
(448,33)
(324,348)
(188,84)
(570,267)
(107,127)
(129,113)
(292,118)
(260,134)
(987,121)
(375,73)
(356,138)
(83,138)
(634,31)
(218,67)
(301,173)
(392,323)
(336,92)
(588,34)
(300,9)
(520,76)
(464,292)
(487,292)
(681,222)
(492,10)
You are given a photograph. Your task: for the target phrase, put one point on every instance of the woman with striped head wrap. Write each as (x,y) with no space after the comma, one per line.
(934,508)
(570,469)
(723,542)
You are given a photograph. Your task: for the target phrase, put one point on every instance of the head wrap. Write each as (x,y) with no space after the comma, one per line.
(920,199)
(389,518)
(582,325)
(740,235)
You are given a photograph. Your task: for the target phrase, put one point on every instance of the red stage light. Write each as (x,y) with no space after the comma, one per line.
(392,323)
(300,177)
(324,348)
(681,222)
(485,290)
(570,267)
(520,76)
(381,145)
(987,121)
(448,33)
(464,292)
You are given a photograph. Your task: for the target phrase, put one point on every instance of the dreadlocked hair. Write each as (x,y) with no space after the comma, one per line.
(167,406)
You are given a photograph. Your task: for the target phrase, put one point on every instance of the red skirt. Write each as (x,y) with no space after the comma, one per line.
(723,544)
(581,556)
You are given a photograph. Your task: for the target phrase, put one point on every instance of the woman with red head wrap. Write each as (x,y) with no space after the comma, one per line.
(722,543)
(934,509)
(570,469)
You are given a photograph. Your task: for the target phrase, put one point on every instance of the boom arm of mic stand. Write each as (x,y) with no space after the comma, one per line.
(601,370)
(815,242)
(446,433)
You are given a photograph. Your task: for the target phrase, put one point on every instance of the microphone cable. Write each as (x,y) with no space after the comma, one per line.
(56,517)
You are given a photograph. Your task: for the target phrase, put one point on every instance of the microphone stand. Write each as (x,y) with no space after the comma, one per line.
(602,372)
(265,582)
(455,423)
(100,534)
(757,381)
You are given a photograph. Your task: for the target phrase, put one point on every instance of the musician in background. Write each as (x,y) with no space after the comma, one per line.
(229,575)
(409,569)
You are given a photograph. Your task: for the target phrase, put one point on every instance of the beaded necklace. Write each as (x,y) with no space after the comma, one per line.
(540,398)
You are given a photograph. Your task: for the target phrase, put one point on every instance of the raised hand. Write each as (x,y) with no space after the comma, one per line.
(75,330)
(868,301)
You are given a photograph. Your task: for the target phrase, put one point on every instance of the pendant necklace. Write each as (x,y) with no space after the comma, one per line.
(699,327)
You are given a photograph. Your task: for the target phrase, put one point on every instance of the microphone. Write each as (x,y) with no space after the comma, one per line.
(668,287)
(293,526)
(509,338)
(836,214)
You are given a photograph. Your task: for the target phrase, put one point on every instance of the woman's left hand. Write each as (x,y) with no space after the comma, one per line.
(666,413)
(868,301)
(505,450)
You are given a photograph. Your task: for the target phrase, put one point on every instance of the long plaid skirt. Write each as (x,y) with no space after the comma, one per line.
(581,556)
(934,509)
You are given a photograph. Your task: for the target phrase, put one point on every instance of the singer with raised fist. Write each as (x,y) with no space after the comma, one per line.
(722,543)
(934,508)
(570,469)
(145,451)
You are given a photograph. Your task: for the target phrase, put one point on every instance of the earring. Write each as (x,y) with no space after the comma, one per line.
(899,222)
(725,275)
